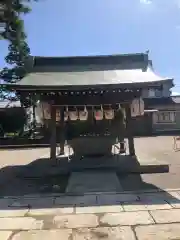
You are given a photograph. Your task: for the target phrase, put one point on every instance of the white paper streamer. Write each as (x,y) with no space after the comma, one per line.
(73,115)
(98,114)
(83,115)
(66,114)
(137,107)
(58,115)
(109,114)
(46,108)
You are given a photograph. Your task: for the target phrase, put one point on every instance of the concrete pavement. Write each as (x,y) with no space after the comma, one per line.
(155,150)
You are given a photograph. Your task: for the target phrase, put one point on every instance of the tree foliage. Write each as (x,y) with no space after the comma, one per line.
(18,115)
(11,12)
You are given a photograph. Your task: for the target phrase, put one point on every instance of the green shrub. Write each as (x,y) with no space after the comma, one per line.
(12,119)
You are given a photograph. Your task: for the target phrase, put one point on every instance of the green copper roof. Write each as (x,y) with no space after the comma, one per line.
(67,72)
(90,78)
(104,62)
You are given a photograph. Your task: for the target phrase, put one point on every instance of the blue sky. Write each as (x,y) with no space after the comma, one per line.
(88,27)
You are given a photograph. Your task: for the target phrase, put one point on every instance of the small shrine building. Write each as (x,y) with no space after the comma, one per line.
(84,95)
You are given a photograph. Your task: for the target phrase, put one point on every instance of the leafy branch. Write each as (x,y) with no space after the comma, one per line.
(13,31)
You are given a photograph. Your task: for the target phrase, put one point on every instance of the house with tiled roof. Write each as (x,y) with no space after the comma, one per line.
(162,110)
(166,118)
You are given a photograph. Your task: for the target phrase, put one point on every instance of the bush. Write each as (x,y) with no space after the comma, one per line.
(13,119)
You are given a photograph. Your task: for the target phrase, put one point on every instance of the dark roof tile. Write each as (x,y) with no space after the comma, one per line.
(150,102)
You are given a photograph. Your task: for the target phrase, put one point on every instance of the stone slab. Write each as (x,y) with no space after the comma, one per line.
(166,196)
(87,200)
(157,205)
(106,233)
(158,232)
(175,204)
(99,209)
(33,203)
(90,181)
(5,235)
(174,199)
(13,213)
(146,205)
(20,223)
(76,221)
(126,218)
(178,192)
(166,216)
(50,211)
(113,199)
(161,200)
(64,234)
(6,202)
(134,206)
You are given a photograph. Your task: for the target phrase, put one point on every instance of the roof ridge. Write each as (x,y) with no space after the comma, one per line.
(94,55)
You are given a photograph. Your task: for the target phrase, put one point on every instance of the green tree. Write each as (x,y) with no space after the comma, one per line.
(11,12)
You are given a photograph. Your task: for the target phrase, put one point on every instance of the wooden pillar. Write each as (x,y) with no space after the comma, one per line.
(34,118)
(53,134)
(129,129)
(62,133)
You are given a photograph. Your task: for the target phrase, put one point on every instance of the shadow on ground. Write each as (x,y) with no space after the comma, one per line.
(42,177)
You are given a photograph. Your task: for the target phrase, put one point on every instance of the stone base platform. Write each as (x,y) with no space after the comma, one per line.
(93,181)
(120,164)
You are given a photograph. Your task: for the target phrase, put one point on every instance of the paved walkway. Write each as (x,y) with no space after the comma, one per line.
(110,216)
(140,215)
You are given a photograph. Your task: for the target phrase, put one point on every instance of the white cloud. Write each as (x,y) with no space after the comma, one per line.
(147,2)
(175,94)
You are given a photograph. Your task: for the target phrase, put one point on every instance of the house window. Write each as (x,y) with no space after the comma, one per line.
(158,93)
(151,93)
(154,93)
(165,117)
